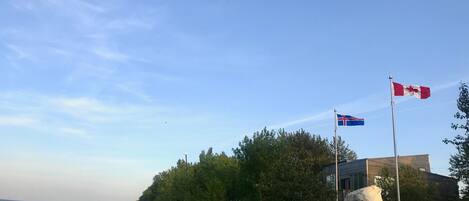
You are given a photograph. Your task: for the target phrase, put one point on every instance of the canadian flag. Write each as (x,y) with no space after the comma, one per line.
(410,90)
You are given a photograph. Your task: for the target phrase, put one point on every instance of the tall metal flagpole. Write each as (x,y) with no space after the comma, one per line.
(336,164)
(394,138)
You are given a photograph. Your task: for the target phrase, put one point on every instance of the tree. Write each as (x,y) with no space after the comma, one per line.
(176,183)
(168,185)
(279,165)
(256,156)
(269,166)
(344,152)
(152,192)
(296,173)
(459,162)
(412,182)
(213,178)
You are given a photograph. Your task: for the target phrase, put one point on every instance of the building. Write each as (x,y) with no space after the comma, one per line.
(364,172)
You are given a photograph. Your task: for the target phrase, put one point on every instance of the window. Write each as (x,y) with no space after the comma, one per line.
(345,184)
(361,180)
(355,181)
(358,181)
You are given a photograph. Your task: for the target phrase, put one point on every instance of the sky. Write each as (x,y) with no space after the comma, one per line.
(96,97)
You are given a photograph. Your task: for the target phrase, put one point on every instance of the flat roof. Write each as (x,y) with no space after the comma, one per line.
(377,158)
(397,156)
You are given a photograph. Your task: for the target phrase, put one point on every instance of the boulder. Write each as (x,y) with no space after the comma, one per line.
(370,193)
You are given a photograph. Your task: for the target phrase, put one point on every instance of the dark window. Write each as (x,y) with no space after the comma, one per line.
(345,184)
(361,180)
(358,181)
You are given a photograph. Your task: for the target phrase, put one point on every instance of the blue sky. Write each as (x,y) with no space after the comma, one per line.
(98,96)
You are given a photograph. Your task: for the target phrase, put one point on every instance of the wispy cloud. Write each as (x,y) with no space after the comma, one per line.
(446,85)
(93,111)
(370,103)
(90,6)
(75,6)
(130,23)
(134,90)
(19,53)
(312,118)
(110,54)
(116,56)
(88,19)
(74,132)
(86,44)
(22,121)
(88,117)
(86,70)
(23,5)
(83,108)
(73,116)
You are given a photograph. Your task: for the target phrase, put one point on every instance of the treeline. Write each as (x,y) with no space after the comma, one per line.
(271,165)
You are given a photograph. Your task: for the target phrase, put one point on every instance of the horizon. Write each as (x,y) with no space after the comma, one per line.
(98,97)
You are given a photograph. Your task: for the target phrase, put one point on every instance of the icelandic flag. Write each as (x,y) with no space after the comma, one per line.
(347,120)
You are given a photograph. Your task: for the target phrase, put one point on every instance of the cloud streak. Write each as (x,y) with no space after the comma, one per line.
(74,132)
(111,55)
(21,121)
(364,105)
(87,117)
(19,52)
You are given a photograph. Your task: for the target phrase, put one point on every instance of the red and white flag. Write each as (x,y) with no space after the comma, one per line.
(410,90)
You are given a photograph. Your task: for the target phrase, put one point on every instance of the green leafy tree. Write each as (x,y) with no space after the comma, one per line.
(152,192)
(161,184)
(213,178)
(176,183)
(412,182)
(295,174)
(256,156)
(344,152)
(459,162)
(277,165)
(270,166)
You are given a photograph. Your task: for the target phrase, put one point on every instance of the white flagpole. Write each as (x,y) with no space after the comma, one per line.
(394,138)
(336,163)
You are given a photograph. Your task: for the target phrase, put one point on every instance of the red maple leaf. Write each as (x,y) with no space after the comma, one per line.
(412,89)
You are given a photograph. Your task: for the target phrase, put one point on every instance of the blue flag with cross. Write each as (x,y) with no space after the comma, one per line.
(347,120)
